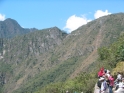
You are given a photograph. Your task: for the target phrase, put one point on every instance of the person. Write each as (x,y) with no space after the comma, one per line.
(98,85)
(117,84)
(111,84)
(118,79)
(105,70)
(107,79)
(101,72)
(104,86)
(108,73)
(119,76)
(121,87)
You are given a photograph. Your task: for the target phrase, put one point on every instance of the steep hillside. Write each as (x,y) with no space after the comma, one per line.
(39,58)
(110,57)
(83,43)
(10,28)
(24,55)
(83,61)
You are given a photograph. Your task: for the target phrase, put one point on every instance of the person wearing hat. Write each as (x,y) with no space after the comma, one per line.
(108,73)
(119,76)
(104,86)
(121,87)
(101,72)
(98,86)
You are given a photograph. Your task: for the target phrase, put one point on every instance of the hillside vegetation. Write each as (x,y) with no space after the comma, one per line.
(111,57)
(50,61)
(24,55)
(119,68)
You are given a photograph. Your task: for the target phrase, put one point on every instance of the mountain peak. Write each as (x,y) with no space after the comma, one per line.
(9,19)
(10,28)
(13,22)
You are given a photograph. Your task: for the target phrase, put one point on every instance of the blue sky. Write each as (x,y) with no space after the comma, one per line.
(65,14)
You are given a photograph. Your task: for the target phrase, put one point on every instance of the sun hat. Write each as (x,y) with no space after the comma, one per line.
(101,78)
(108,71)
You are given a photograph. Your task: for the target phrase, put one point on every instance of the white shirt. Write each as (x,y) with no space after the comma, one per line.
(103,87)
(119,76)
(120,89)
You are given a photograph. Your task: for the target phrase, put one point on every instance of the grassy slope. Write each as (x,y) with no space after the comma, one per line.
(111,58)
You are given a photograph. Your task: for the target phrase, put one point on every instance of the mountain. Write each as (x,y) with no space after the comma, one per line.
(10,28)
(22,53)
(32,61)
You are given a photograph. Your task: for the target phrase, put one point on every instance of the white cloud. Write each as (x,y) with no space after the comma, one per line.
(73,22)
(2,17)
(100,13)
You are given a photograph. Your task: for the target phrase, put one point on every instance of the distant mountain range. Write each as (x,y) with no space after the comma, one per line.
(32,59)
(10,28)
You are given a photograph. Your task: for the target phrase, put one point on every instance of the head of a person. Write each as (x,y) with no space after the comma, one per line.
(106,76)
(112,76)
(102,69)
(122,79)
(118,72)
(105,70)
(119,80)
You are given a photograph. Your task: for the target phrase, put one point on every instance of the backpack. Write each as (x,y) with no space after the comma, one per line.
(99,84)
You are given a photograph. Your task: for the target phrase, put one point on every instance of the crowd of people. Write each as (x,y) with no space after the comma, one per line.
(108,84)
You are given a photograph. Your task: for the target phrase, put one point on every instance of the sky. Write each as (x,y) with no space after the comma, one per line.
(67,15)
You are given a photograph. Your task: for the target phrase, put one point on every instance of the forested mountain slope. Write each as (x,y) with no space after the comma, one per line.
(23,56)
(36,59)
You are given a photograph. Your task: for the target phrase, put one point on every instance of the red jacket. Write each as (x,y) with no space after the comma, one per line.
(101,72)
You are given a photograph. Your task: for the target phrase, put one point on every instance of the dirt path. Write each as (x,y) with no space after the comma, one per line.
(85,63)
(96,89)
(91,58)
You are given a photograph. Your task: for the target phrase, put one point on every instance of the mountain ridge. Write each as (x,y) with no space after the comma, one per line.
(10,28)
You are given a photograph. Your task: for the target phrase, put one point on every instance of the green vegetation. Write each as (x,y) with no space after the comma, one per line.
(119,68)
(4,67)
(114,54)
(85,82)
(1,46)
(46,77)
(26,52)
